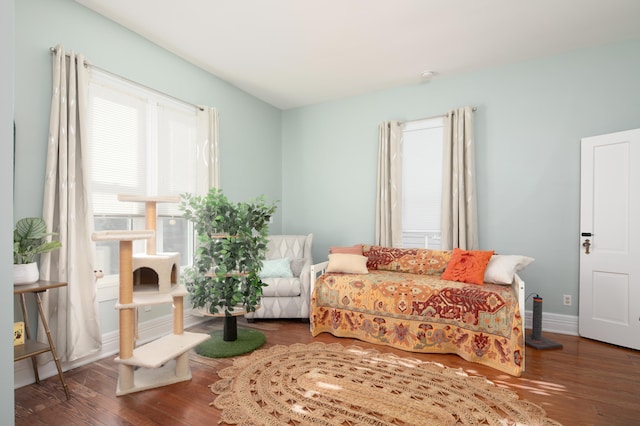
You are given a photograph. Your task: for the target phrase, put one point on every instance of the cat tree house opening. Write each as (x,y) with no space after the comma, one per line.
(159,272)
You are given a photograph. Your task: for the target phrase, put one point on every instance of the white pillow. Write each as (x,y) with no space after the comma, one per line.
(502,268)
(347,263)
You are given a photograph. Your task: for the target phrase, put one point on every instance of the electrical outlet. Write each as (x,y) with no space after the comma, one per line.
(566,300)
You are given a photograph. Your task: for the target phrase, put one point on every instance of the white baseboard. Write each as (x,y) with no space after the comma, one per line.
(554,323)
(148,331)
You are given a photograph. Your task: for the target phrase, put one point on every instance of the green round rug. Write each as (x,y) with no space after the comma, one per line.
(216,347)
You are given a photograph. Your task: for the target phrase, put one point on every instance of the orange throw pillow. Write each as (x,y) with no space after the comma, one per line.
(467,266)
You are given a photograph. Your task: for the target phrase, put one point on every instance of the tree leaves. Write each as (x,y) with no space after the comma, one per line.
(232,244)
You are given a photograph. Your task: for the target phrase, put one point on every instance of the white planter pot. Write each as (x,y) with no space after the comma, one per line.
(25,273)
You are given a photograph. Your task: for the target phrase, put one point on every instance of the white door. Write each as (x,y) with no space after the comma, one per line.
(610,233)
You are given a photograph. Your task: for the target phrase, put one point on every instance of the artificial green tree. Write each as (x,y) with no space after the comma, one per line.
(232,242)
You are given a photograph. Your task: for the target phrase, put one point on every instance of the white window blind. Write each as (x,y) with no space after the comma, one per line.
(117,131)
(176,162)
(422,182)
(142,143)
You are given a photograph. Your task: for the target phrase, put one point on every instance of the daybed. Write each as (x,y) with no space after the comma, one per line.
(397,297)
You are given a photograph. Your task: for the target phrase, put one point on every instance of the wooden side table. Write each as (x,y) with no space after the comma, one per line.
(31,347)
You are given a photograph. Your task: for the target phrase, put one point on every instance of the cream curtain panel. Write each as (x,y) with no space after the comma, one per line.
(208,166)
(388,232)
(72,312)
(459,206)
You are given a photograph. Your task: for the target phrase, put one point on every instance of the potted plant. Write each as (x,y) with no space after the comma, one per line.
(232,242)
(29,240)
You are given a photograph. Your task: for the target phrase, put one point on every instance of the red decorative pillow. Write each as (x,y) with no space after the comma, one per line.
(467,266)
(381,258)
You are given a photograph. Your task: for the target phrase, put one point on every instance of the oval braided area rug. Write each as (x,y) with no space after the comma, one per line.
(330,384)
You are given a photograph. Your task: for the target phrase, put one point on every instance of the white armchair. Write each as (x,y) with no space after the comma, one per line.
(287,297)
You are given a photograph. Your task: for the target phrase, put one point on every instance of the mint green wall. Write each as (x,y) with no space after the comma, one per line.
(250,130)
(7,410)
(320,161)
(530,119)
(250,133)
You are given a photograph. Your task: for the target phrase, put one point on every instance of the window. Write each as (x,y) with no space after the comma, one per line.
(422,143)
(141,143)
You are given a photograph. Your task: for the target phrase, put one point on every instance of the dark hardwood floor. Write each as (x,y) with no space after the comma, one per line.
(584,383)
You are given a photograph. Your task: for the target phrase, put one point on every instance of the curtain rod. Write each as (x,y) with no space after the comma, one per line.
(474,109)
(86,64)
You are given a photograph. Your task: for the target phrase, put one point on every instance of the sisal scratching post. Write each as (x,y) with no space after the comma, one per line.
(126,297)
(178,315)
(150,222)
(125,372)
(535,339)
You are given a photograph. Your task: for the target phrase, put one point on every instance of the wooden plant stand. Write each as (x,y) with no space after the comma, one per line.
(31,348)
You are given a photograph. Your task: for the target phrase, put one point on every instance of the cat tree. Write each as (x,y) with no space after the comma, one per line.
(149,279)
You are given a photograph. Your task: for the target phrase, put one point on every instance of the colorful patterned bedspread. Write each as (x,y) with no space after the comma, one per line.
(422,313)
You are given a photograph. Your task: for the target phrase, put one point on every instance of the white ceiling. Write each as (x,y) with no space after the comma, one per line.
(292,53)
